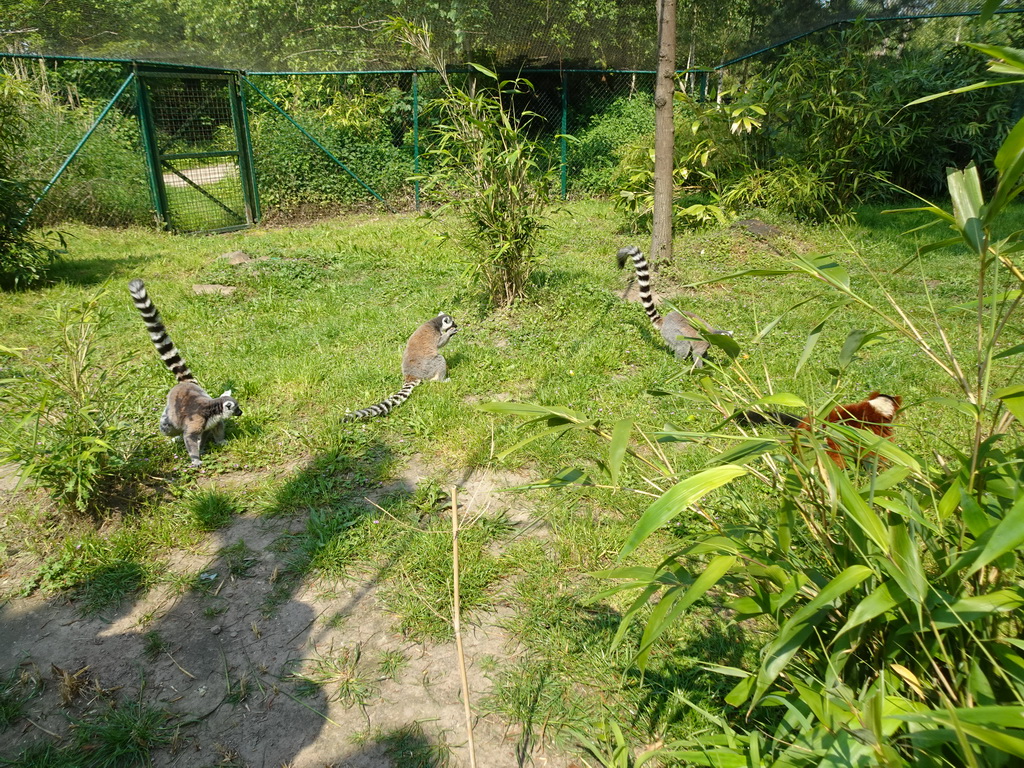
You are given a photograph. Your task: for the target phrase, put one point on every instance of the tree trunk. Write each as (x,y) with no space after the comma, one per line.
(664,133)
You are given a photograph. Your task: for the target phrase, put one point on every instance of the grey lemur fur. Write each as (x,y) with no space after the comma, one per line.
(190,412)
(421,362)
(680,335)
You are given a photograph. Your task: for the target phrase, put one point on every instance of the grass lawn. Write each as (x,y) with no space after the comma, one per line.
(316,326)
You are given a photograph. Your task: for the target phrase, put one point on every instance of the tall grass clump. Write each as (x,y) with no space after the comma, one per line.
(64,413)
(887,586)
(24,255)
(497,180)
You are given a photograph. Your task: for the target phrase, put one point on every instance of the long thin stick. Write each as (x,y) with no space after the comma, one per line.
(457,626)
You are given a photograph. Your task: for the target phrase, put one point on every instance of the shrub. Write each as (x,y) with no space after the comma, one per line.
(291,170)
(497,180)
(65,414)
(596,151)
(107,184)
(24,255)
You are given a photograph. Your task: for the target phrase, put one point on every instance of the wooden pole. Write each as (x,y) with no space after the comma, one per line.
(664,133)
(457,626)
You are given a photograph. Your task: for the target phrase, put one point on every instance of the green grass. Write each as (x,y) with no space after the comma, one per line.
(316,327)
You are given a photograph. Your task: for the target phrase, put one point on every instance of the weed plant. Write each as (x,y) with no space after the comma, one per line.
(68,427)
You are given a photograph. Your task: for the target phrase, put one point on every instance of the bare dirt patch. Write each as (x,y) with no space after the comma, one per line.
(228,656)
(210,174)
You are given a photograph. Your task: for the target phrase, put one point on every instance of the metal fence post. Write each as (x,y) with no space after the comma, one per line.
(416,138)
(565,130)
(246,157)
(148,133)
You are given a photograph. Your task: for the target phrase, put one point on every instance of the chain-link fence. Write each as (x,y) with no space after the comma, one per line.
(118,142)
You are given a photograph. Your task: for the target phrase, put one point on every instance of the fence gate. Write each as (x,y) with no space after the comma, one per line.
(197,145)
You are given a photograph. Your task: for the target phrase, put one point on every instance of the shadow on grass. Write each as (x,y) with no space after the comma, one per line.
(86,272)
(216,645)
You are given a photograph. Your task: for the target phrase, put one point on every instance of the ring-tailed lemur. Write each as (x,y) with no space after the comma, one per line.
(190,412)
(680,335)
(421,362)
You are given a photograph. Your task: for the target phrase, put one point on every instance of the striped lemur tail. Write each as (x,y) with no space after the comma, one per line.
(420,362)
(158,333)
(384,407)
(643,280)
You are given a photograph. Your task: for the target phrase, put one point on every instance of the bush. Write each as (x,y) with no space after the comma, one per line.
(65,415)
(596,151)
(24,255)
(495,178)
(292,171)
(107,184)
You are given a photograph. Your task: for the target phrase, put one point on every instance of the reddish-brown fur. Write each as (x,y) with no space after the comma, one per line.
(863,415)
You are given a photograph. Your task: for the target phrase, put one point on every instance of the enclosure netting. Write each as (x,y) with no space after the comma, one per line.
(275,35)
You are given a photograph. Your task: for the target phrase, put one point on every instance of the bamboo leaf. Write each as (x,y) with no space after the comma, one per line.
(676,499)
(1010,162)
(966,89)
(1009,352)
(745,273)
(815,334)
(858,509)
(965,192)
(662,617)
(1013,399)
(617,448)
(743,452)
(975,608)
(855,341)
(1007,536)
(884,598)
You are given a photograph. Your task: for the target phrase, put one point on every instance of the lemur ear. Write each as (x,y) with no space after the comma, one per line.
(227,393)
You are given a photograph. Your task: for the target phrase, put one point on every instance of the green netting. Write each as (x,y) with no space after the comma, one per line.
(292,35)
(323,141)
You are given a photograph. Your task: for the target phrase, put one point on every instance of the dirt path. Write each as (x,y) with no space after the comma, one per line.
(209,174)
(223,662)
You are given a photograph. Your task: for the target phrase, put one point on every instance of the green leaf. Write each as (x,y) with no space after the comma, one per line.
(855,341)
(1013,399)
(724,342)
(617,449)
(970,609)
(988,9)
(744,273)
(826,268)
(1007,536)
(784,399)
(1010,162)
(743,452)
(667,612)
(965,192)
(905,564)
(815,334)
(858,509)
(1009,352)
(884,598)
(676,499)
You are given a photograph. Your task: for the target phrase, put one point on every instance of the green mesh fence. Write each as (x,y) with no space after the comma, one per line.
(105,182)
(207,150)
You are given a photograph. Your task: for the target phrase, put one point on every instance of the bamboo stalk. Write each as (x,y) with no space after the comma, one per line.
(457,626)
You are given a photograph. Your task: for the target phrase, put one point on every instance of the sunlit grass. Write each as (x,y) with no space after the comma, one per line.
(316,327)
